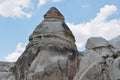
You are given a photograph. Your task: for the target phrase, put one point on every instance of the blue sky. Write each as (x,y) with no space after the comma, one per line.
(86,18)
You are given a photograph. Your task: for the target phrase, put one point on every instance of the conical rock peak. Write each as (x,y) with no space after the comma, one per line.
(54,13)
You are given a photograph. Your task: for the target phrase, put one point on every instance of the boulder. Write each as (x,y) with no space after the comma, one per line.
(115,42)
(95,42)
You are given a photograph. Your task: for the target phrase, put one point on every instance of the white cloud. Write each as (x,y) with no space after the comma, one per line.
(97,26)
(105,12)
(43,2)
(12,57)
(15,8)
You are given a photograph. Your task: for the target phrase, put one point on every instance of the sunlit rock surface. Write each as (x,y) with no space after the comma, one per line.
(51,54)
(95,42)
(100,60)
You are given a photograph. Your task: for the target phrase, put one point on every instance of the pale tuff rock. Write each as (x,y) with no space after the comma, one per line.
(115,42)
(95,42)
(54,14)
(115,45)
(51,54)
(86,61)
(99,62)
(116,68)
(6,71)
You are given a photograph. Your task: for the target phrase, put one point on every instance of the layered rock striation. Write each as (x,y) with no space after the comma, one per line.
(51,53)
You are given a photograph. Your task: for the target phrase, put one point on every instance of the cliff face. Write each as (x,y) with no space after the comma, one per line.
(51,54)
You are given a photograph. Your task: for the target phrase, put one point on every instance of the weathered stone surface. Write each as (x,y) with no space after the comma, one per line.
(93,73)
(51,53)
(6,66)
(115,42)
(94,42)
(116,68)
(90,57)
(115,45)
(6,71)
(54,14)
(99,62)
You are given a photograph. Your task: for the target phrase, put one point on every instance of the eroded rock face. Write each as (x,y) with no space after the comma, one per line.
(6,71)
(51,53)
(100,60)
(95,42)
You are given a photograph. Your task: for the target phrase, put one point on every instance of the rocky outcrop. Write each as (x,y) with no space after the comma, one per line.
(6,71)
(95,42)
(100,60)
(51,53)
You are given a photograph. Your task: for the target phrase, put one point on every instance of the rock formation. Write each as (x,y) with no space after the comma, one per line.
(6,71)
(100,60)
(51,54)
